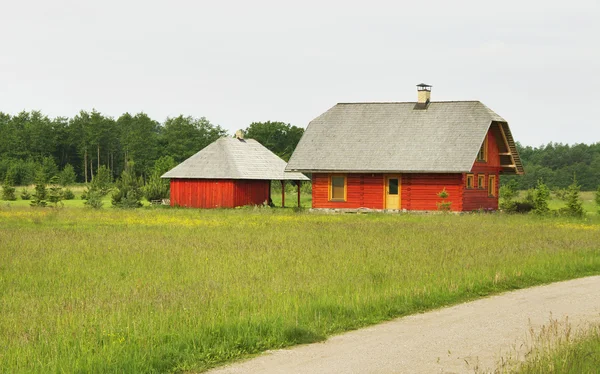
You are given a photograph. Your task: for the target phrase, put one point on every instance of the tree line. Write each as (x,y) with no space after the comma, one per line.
(32,143)
(556,164)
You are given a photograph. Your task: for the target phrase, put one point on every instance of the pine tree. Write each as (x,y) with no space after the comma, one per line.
(8,191)
(128,193)
(540,199)
(574,203)
(55,195)
(598,199)
(39,197)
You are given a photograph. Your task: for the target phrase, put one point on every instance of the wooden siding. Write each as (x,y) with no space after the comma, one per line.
(218,193)
(418,191)
(251,192)
(362,191)
(476,197)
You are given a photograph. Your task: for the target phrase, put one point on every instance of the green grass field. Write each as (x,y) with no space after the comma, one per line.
(167,290)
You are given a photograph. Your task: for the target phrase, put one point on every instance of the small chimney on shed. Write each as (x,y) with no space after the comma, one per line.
(423,93)
(239,134)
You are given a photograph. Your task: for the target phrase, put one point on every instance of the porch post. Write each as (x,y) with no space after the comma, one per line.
(299,182)
(283,194)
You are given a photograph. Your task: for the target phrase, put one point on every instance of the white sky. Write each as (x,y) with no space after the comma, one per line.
(536,63)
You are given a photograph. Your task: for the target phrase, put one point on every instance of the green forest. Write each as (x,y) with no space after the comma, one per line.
(31,142)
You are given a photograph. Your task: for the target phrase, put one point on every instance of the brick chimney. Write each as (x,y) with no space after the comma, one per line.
(423,93)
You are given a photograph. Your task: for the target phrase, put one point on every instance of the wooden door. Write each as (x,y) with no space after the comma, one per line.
(392,192)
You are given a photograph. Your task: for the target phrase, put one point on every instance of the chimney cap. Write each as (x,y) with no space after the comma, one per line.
(424,87)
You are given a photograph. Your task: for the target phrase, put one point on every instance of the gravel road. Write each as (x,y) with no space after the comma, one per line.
(468,337)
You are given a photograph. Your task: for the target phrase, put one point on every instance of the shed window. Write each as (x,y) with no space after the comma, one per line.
(492,186)
(470,180)
(482,155)
(337,187)
(481,181)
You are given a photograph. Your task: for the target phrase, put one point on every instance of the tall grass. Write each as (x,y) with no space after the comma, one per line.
(558,350)
(163,290)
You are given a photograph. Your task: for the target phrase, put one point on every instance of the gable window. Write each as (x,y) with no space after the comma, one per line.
(482,155)
(492,186)
(337,188)
(470,181)
(481,181)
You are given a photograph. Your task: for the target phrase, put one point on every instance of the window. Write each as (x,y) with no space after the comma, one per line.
(337,187)
(482,155)
(492,186)
(481,181)
(470,180)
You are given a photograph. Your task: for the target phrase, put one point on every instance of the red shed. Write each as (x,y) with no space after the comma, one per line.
(402,155)
(228,173)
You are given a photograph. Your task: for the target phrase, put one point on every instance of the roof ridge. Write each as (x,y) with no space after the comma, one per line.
(411,102)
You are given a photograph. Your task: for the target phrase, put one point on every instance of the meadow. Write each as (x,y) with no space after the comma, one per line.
(170,290)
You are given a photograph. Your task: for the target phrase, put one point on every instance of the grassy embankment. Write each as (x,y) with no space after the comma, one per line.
(558,351)
(182,289)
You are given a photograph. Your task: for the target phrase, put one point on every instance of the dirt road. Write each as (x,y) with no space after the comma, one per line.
(458,339)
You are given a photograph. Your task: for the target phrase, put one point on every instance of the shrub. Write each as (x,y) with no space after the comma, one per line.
(574,206)
(597,198)
(156,188)
(55,195)
(67,176)
(25,195)
(68,194)
(102,181)
(94,200)
(540,199)
(39,197)
(128,193)
(507,194)
(444,205)
(8,191)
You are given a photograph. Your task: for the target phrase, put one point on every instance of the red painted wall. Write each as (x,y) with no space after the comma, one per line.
(218,193)
(477,198)
(418,191)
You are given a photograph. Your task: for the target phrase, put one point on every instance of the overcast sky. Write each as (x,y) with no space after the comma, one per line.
(535,63)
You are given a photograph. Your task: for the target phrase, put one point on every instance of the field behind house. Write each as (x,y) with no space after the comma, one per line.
(159,290)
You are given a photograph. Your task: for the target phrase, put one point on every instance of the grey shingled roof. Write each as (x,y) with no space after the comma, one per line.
(394,137)
(231,158)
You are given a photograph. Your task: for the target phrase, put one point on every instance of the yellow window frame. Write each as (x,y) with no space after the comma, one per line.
(481,181)
(492,186)
(482,156)
(330,185)
(471,178)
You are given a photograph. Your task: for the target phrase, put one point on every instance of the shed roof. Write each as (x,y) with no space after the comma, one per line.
(232,158)
(393,137)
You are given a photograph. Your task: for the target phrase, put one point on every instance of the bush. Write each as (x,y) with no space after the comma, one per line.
(102,181)
(67,176)
(8,191)
(597,198)
(55,195)
(574,206)
(68,194)
(507,194)
(541,198)
(39,197)
(94,200)
(128,193)
(25,195)
(156,188)
(444,205)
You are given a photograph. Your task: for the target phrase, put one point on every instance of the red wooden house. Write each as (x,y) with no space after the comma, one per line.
(401,155)
(228,173)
